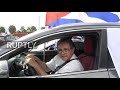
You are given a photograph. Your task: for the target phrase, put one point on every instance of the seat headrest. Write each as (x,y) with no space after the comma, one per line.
(88,45)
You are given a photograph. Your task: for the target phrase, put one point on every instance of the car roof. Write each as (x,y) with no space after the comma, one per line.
(62,28)
(37,34)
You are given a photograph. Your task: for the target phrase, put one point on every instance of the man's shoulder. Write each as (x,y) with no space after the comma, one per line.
(74,56)
(74,62)
(56,56)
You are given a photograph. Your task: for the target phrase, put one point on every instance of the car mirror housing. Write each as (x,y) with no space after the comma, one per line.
(4,71)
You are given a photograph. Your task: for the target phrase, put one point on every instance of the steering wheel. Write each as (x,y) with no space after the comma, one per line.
(18,68)
(29,70)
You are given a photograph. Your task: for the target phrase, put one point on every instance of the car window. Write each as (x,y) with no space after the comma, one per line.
(11,38)
(48,45)
(52,45)
(2,38)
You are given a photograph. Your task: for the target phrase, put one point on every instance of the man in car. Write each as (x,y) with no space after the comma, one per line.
(66,50)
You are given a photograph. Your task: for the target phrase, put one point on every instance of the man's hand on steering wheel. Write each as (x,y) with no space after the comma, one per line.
(29,65)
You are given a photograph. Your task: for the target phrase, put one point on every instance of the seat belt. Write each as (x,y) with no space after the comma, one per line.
(59,67)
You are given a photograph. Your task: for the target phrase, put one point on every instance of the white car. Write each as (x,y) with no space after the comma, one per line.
(105,58)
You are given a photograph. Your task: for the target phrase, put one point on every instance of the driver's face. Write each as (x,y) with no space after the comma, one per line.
(65,51)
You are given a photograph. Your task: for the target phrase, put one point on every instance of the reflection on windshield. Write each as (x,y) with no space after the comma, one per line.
(47,44)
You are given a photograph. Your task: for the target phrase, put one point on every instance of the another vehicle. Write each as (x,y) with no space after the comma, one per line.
(6,38)
(104,65)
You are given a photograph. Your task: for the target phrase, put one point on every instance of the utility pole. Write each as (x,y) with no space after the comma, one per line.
(39,23)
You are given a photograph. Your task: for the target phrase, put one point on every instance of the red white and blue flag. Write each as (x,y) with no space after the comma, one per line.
(58,18)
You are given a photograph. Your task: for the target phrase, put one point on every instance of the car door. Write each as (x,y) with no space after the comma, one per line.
(100,69)
(111,68)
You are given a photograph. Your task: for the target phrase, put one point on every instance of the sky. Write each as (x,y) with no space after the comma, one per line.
(19,19)
(25,19)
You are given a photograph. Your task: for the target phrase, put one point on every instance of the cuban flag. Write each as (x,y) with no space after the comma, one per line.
(58,18)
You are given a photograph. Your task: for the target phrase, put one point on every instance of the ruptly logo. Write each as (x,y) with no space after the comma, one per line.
(17,44)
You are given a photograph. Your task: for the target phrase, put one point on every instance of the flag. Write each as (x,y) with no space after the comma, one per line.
(58,18)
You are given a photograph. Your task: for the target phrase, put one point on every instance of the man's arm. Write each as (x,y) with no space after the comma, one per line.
(40,67)
(43,65)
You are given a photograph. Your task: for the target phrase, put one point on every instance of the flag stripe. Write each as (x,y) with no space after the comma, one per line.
(53,16)
(106,16)
(63,21)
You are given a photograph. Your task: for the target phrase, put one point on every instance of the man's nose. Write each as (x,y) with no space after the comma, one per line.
(63,52)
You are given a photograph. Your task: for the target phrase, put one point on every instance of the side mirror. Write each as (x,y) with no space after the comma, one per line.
(4,71)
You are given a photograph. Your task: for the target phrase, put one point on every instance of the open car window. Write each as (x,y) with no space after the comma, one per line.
(47,46)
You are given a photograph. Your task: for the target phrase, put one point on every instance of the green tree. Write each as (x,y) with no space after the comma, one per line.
(33,28)
(28,29)
(23,30)
(2,29)
(12,29)
(18,31)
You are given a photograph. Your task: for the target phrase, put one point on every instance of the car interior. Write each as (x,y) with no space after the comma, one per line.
(85,51)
